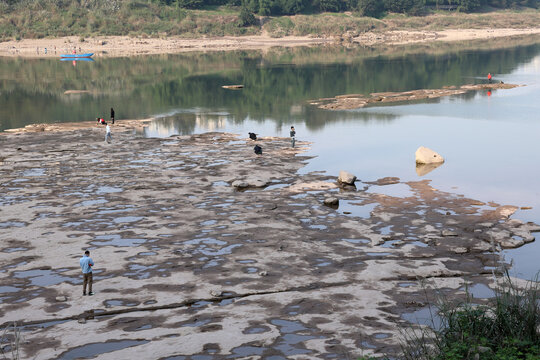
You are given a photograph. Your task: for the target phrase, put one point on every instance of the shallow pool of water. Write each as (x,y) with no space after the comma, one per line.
(90,351)
(45,277)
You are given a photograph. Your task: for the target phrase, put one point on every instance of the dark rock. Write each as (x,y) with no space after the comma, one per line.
(331,201)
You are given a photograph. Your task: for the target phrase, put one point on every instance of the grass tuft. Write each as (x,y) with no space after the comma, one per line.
(505,328)
(9,342)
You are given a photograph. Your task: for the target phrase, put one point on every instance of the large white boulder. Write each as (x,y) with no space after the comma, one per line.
(346,178)
(425,155)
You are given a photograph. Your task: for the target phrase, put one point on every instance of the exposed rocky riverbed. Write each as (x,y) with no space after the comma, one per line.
(186,264)
(355,101)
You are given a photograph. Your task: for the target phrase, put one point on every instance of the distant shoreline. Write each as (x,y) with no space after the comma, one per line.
(121,46)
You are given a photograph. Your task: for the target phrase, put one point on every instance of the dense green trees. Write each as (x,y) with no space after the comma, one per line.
(373,8)
(289,7)
(404,6)
(473,5)
(246,17)
(469,5)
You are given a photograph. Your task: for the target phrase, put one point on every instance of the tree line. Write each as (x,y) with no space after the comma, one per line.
(372,8)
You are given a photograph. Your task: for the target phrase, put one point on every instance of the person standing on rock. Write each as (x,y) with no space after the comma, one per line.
(112,115)
(293,136)
(489,78)
(108,137)
(86,263)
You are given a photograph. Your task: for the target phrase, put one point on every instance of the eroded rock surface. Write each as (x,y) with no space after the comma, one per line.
(188,265)
(356,101)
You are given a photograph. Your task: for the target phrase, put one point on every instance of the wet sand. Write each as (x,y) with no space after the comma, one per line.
(187,264)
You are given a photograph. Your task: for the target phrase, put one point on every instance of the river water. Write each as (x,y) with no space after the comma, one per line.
(490,140)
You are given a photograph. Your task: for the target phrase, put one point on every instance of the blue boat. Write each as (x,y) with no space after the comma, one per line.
(73,56)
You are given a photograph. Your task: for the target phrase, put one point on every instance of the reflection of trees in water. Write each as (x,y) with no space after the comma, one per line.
(178,124)
(315,119)
(275,84)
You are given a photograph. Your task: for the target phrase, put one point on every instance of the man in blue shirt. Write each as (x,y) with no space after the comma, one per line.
(86,266)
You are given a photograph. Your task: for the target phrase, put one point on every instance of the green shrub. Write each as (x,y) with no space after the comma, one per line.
(246,17)
(410,7)
(371,8)
(330,5)
(264,7)
(469,5)
(506,328)
(190,4)
(279,27)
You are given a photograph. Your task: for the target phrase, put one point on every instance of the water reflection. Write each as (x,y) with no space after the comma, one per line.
(277,84)
(192,121)
(424,169)
(177,124)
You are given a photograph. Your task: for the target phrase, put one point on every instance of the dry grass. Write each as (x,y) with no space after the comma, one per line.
(10,341)
(330,24)
(498,19)
(326,24)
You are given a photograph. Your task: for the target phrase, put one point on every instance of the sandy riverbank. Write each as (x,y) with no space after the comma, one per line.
(115,46)
(187,264)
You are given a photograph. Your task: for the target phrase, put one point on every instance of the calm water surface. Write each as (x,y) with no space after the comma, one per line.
(490,141)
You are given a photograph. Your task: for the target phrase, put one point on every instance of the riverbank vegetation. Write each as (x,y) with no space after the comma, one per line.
(503,328)
(196,18)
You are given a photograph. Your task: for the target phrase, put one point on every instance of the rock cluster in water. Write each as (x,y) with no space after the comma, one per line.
(355,101)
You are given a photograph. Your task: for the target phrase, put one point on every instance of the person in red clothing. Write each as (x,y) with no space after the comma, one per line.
(489,78)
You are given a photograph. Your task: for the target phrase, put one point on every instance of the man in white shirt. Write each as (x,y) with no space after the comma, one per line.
(108,137)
